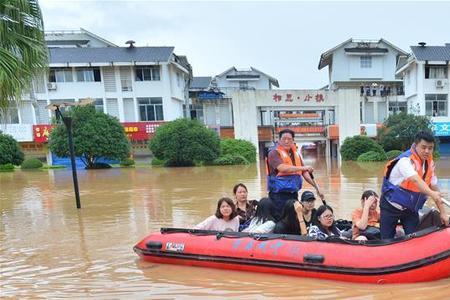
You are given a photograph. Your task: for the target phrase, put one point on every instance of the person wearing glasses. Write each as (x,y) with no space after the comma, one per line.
(323,224)
(285,170)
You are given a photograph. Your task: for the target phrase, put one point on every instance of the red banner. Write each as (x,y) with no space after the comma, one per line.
(135,131)
(140,131)
(41,132)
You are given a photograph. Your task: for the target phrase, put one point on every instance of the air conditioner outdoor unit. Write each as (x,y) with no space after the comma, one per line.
(439,83)
(51,86)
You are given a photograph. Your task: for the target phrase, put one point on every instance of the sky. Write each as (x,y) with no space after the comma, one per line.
(282,39)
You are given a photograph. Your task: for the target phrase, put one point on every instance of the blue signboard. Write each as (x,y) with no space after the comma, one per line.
(209,95)
(441,128)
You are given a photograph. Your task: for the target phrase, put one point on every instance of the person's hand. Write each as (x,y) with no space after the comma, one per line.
(308,169)
(298,208)
(369,201)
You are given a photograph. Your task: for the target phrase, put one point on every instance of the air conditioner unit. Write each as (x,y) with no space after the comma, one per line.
(439,83)
(51,86)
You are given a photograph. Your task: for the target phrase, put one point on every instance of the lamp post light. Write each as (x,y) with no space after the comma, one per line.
(68,123)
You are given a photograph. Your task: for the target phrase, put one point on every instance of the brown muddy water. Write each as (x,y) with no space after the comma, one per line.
(49,249)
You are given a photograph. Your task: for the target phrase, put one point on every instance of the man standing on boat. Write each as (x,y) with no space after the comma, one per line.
(285,170)
(408,180)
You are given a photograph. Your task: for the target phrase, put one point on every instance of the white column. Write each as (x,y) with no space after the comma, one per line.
(244,113)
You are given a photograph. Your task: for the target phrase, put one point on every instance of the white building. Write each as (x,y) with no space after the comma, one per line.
(425,74)
(211,97)
(131,83)
(368,68)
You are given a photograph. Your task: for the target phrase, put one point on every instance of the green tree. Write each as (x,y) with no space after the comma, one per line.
(95,135)
(236,147)
(184,142)
(10,152)
(353,147)
(23,52)
(398,131)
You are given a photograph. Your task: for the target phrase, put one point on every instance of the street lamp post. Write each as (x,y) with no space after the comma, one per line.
(67,120)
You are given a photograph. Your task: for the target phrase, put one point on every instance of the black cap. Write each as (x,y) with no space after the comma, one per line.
(308,196)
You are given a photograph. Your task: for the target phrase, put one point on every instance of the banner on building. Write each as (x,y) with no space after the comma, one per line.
(441,128)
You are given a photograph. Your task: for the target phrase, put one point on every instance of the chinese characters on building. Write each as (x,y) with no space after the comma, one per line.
(318,97)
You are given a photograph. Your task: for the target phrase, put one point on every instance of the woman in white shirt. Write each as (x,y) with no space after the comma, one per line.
(263,221)
(225,218)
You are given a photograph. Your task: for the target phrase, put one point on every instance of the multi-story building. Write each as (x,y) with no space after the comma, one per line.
(368,68)
(211,97)
(134,84)
(425,74)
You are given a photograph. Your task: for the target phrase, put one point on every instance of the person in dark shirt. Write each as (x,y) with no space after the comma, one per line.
(245,208)
(292,221)
(308,200)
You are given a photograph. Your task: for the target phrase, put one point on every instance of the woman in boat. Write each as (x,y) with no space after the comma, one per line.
(323,224)
(263,222)
(292,221)
(366,219)
(245,209)
(225,218)
(308,200)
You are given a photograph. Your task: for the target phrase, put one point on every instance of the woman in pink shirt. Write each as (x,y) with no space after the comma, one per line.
(225,218)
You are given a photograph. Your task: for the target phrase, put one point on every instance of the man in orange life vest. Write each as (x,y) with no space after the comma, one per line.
(409,179)
(284,172)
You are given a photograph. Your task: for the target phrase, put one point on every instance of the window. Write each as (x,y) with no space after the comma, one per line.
(243,85)
(196,111)
(435,72)
(60,75)
(151,109)
(436,105)
(99,104)
(397,107)
(11,116)
(147,73)
(366,61)
(88,75)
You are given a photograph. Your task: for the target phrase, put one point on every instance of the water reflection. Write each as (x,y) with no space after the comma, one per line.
(49,249)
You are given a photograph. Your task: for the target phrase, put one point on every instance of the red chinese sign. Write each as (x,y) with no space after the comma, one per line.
(140,131)
(135,131)
(318,97)
(41,133)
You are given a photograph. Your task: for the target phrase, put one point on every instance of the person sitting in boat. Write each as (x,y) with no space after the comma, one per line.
(323,225)
(366,219)
(308,200)
(225,218)
(291,221)
(245,209)
(263,222)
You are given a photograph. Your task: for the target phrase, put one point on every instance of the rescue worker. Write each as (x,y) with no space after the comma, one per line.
(408,180)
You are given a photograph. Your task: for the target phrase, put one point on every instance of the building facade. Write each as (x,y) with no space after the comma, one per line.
(425,74)
(133,84)
(368,68)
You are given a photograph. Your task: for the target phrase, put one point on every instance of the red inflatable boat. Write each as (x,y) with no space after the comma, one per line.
(423,256)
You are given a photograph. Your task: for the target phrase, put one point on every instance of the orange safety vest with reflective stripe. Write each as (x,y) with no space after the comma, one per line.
(407,192)
(285,181)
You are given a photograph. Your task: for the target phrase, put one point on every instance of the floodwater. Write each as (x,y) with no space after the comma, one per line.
(49,249)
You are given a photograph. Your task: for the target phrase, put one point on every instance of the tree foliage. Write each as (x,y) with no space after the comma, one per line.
(23,51)
(353,147)
(10,152)
(398,130)
(184,142)
(393,154)
(236,147)
(31,163)
(95,135)
(372,156)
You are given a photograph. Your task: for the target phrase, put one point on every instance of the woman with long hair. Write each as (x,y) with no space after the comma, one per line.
(323,224)
(245,208)
(291,221)
(225,218)
(263,221)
